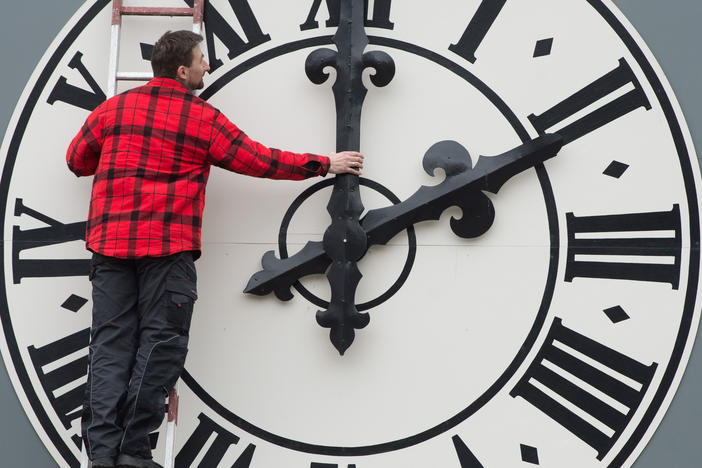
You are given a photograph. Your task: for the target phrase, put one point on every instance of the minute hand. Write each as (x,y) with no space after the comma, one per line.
(462,187)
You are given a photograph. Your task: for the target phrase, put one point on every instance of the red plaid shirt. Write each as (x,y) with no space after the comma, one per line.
(151,149)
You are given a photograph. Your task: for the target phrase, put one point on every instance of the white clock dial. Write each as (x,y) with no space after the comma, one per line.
(556,337)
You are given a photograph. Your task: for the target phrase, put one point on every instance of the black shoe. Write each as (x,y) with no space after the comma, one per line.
(103,463)
(130,461)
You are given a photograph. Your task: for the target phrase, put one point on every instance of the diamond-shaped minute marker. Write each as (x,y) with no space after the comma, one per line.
(529,454)
(543,47)
(616,169)
(74,303)
(616,314)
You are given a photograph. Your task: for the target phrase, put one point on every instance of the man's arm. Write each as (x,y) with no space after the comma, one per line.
(232,149)
(83,153)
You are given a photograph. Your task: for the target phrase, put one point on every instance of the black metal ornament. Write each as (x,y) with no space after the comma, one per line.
(344,240)
(348,238)
(463,187)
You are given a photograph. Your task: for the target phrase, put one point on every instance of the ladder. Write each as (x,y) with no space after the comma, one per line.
(172,422)
(118,10)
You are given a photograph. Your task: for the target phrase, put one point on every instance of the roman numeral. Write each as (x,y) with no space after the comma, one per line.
(465,456)
(380,17)
(215,452)
(477,29)
(67,404)
(217,25)
(561,359)
(55,233)
(599,89)
(73,95)
(602,236)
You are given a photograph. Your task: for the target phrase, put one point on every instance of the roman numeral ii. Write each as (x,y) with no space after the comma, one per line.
(620,77)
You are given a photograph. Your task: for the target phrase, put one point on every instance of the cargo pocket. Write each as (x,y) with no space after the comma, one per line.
(181,296)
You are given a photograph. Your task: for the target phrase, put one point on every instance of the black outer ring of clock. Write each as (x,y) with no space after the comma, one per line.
(539,320)
(686,169)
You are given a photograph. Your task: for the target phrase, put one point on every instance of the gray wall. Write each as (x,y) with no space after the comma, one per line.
(670,28)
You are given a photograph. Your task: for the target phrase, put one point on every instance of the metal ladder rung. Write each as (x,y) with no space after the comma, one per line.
(134,76)
(156,11)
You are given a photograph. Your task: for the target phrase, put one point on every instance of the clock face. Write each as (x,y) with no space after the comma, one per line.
(556,338)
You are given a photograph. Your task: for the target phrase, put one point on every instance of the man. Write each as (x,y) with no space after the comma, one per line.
(150,150)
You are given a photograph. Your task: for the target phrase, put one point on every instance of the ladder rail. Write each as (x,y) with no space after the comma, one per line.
(173,401)
(171,425)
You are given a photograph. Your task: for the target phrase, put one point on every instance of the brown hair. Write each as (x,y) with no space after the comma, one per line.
(173,49)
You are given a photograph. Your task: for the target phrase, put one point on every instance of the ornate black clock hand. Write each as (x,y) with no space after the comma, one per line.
(462,186)
(345,240)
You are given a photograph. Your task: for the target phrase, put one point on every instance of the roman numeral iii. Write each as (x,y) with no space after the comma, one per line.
(601,236)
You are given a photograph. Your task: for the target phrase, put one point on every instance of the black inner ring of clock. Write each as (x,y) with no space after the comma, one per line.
(526,346)
(411,239)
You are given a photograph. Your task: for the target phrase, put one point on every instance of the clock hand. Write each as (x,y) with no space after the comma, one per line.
(427,203)
(278,275)
(345,240)
(462,187)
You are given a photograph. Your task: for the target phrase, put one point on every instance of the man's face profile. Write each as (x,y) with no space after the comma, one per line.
(196,71)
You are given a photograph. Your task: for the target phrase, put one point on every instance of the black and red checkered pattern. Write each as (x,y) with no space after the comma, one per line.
(150,150)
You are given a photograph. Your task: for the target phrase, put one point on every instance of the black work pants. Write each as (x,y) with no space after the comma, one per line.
(138,342)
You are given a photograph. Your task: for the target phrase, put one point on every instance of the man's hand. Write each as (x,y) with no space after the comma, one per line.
(345,162)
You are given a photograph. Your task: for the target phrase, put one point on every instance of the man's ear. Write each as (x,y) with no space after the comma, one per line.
(180,73)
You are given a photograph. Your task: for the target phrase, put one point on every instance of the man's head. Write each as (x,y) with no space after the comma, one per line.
(177,55)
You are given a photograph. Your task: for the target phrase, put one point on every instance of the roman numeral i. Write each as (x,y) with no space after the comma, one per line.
(477,29)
